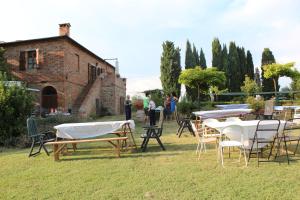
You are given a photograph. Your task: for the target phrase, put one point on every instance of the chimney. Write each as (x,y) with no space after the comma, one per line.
(64,29)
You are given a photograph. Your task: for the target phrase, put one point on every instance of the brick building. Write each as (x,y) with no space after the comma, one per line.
(68,75)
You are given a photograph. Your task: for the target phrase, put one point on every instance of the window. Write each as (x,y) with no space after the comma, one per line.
(28,60)
(77,62)
(31,60)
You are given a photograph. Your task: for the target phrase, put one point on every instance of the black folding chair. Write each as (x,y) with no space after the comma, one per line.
(183,123)
(290,134)
(266,134)
(153,132)
(38,138)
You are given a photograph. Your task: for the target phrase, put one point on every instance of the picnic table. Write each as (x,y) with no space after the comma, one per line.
(221,113)
(249,128)
(73,133)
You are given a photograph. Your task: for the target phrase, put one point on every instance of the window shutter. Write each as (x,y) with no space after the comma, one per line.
(37,58)
(22,61)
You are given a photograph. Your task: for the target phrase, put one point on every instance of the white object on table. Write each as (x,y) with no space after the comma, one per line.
(221,113)
(233,106)
(89,129)
(249,128)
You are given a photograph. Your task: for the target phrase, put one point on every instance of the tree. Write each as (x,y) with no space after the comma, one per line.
(3,64)
(249,65)
(266,59)
(249,87)
(196,56)
(233,69)
(170,68)
(15,106)
(274,71)
(190,62)
(216,54)
(197,77)
(257,77)
(242,64)
(225,64)
(202,61)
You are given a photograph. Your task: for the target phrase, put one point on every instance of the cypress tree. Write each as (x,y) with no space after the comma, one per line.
(249,65)
(216,54)
(225,64)
(242,64)
(190,62)
(257,77)
(202,61)
(196,56)
(267,58)
(170,68)
(233,68)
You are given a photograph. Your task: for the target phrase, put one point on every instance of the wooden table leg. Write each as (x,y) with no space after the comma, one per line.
(56,152)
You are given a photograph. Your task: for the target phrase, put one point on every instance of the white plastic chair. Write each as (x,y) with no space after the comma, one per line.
(233,119)
(236,139)
(205,135)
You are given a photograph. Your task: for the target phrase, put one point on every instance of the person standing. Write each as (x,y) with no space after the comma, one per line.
(174,100)
(167,105)
(127,105)
(146,107)
(152,107)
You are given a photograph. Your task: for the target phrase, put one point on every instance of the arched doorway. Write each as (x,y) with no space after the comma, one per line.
(49,98)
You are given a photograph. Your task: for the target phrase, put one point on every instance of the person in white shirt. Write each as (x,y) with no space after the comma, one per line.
(152,112)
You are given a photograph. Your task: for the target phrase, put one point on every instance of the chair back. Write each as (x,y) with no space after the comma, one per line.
(233,119)
(234,133)
(31,127)
(269,107)
(267,128)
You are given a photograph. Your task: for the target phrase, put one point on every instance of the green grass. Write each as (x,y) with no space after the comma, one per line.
(93,172)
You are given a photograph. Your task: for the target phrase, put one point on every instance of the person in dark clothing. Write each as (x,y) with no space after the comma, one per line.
(128,108)
(152,112)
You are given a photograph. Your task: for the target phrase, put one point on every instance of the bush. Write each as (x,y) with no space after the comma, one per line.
(15,106)
(255,104)
(186,107)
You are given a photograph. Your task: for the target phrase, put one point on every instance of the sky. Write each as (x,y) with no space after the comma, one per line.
(133,30)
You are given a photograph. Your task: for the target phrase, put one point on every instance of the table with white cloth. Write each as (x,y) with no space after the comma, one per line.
(221,113)
(249,128)
(95,129)
(233,106)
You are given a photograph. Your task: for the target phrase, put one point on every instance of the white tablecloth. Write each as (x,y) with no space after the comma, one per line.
(280,108)
(249,128)
(89,129)
(221,113)
(233,106)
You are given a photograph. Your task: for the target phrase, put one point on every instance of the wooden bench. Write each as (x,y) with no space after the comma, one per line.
(58,146)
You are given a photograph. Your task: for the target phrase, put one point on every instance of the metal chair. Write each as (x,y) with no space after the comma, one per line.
(235,135)
(290,134)
(153,132)
(265,134)
(205,135)
(38,138)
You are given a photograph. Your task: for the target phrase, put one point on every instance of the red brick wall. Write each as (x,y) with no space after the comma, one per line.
(58,65)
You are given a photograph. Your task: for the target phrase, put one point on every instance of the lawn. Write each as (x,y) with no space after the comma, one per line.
(93,172)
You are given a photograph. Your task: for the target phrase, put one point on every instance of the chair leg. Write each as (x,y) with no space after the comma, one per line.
(245,156)
(160,143)
(31,149)
(296,147)
(221,152)
(45,149)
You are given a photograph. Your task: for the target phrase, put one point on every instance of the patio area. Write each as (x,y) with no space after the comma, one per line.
(93,172)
